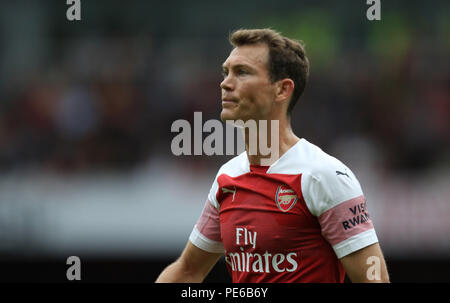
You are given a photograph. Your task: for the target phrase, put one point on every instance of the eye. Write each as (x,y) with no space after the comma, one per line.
(241,72)
(224,74)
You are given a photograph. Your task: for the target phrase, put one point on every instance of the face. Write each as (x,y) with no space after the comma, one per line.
(247,92)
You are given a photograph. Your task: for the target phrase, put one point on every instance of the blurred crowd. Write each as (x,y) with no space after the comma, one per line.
(106,100)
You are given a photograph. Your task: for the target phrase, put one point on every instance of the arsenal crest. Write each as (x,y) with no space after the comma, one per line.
(285,198)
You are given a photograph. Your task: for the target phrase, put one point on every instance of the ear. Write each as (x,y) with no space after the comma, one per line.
(284,89)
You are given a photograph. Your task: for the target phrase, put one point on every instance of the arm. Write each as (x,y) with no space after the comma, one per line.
(360,268)
(193,265)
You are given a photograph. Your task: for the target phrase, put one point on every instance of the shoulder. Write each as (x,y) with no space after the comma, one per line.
(323,167)
(308,159)
(325,181)
(235,167)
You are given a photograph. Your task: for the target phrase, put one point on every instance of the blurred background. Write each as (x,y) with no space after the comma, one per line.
(86,107)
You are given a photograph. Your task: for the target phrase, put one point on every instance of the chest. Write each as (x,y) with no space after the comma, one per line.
(261,212)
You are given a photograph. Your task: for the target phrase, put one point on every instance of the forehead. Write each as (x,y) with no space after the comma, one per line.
(254,55)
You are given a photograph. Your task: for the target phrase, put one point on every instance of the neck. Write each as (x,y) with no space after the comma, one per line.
(272,141)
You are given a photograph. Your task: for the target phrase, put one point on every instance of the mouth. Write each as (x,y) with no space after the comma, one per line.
(229,101)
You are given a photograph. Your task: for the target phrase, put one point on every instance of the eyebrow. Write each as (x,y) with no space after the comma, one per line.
(237,66)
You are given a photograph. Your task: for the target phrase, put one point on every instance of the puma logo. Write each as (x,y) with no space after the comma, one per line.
(226,190)
(339,173)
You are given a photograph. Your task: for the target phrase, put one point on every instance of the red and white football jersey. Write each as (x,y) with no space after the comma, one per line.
(288,222)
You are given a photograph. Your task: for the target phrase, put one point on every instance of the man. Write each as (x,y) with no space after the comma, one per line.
(303,218)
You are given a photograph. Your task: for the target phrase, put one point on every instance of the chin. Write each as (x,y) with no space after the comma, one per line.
(227,114)
(233,116)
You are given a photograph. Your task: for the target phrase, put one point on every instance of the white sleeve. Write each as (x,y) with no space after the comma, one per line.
(334,195)
(212,195)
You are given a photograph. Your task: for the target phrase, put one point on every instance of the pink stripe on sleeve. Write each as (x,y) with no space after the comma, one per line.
(209,224)
(345,220)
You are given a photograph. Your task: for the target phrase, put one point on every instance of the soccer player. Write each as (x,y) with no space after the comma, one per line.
(303,218)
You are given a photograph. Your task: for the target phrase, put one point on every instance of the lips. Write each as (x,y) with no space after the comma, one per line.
(229,100)
(229,103)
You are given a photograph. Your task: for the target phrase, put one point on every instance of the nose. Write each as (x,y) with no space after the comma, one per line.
(227,83)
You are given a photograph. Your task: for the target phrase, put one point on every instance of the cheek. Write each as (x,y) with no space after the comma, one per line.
(255,99)
(255,93)
(261,98)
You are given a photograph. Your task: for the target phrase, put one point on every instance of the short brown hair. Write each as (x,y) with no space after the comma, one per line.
(287,57)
